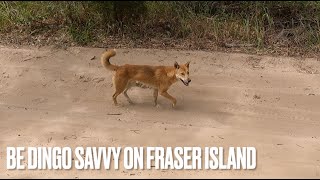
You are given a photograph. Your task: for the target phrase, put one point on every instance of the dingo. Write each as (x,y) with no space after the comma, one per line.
(159,78)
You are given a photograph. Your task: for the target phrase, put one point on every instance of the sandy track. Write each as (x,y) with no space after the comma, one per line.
(51,97)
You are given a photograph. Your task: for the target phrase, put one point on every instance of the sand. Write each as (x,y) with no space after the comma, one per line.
(55,97)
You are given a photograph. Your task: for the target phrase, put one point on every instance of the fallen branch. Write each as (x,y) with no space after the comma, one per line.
(36,57)
(114,114)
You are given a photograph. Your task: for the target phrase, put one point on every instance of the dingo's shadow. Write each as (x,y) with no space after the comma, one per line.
(190,105)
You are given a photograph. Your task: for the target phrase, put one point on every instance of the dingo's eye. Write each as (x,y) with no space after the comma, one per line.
(182,74)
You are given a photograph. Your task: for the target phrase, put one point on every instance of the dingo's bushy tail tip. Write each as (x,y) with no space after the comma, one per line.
(105,59)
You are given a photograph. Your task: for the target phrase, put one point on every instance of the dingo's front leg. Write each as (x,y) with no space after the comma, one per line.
(172,99)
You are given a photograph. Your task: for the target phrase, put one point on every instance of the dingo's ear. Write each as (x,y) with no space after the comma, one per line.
(187,64)
(176,65)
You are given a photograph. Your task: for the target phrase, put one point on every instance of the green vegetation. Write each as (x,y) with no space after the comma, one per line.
(261,24)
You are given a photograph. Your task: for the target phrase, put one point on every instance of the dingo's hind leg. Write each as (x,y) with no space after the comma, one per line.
(155,96)
(129,85)
(120,86)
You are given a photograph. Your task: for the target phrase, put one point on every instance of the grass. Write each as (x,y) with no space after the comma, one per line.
(265,24)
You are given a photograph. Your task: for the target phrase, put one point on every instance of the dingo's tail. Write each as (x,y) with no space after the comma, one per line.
(105,57)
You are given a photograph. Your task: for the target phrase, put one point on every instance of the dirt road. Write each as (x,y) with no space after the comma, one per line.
(54,97)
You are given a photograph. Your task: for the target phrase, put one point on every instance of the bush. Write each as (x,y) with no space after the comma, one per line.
(261,23)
